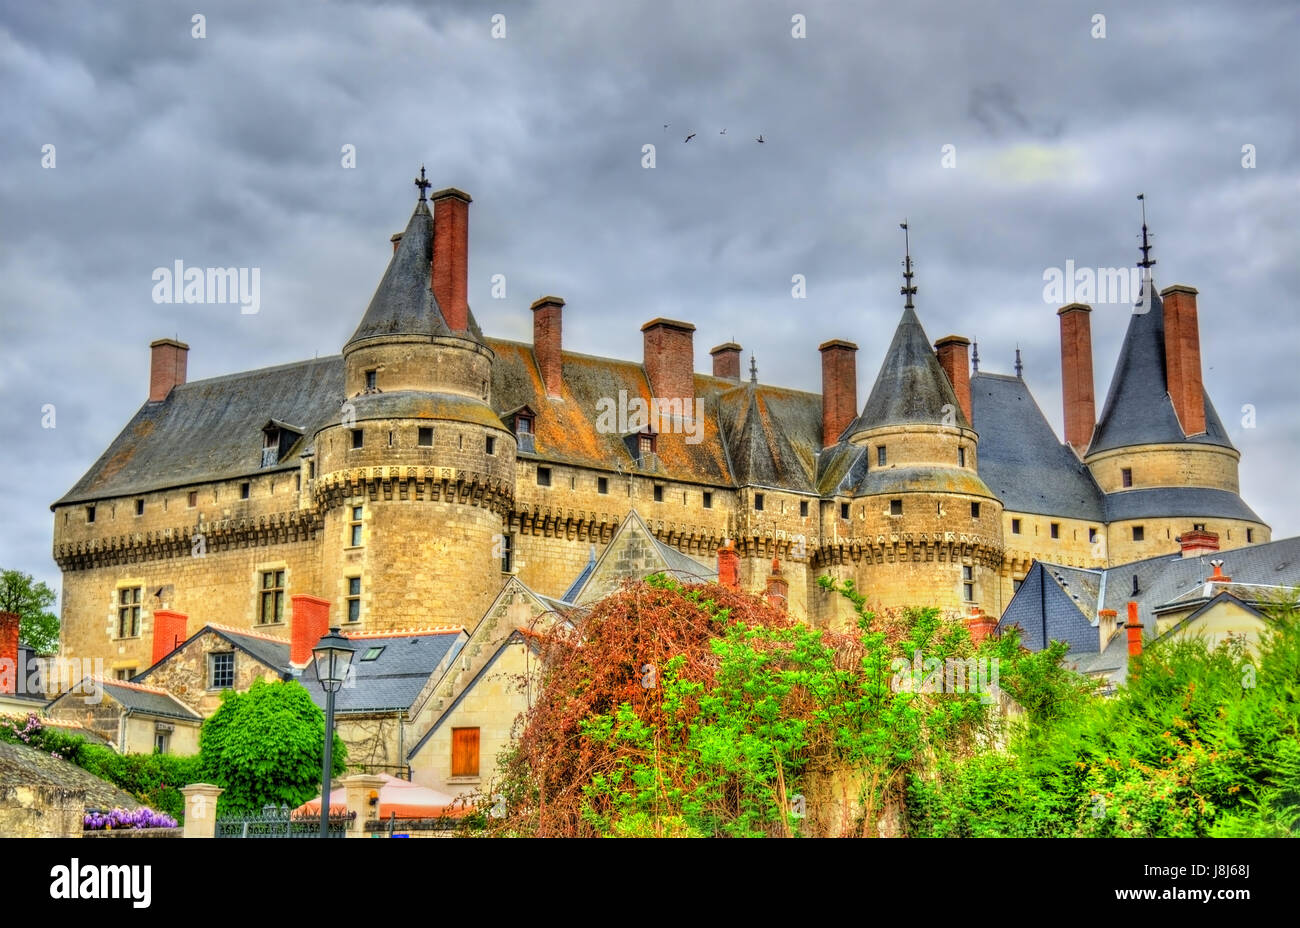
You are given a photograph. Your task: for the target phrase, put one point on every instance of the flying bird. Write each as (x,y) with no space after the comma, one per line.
(666,125)
(759,140)
(723,132)
(689,137)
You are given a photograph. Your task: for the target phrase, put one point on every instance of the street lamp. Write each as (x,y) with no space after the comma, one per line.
(333,656)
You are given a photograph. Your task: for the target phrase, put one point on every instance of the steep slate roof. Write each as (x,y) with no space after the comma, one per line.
(273,652)
(911,386)
(394,679)
(148,701)
(840,468)
(1138,409)
(212,430)
(1171,501)
(1020,457)
(578,581)
(764,453)
(633,554)
(1044,600)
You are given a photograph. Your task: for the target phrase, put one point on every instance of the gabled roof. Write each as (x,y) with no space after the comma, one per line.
(578,581)
(762,453)
(272,652)
(394,679)
(134,697)
(1222,598)
(1046,602)
(1138,409)
(1020,457)
(633,554)
(911,387)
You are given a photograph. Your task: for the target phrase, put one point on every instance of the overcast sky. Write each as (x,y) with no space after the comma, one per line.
(227,150)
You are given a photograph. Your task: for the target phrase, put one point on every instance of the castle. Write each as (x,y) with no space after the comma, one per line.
(402,483)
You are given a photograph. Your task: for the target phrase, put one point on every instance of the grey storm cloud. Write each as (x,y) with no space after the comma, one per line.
(227,151)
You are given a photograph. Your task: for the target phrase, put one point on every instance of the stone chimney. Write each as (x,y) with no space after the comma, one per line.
(1197,542)
(729,566)
(726,361)
(954,358)
(167,362)
(1183,357)
(1134,629)
(168,632)
(450,280)
(309,623)
(1076,376)
(1107,624)
(839,388)
(547,343)
(10,672)
(979,625)
(778,590)
(670,359)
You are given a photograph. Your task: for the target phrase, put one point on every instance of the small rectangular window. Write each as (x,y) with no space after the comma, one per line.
(880,455)
(372,654)
(245,489)
(124,673)
(507,553)
(128,612)
(1126,476)
(1015,526)
(490,445)
(425,437)
(708,500)
(464,752)
(139,507)
(758,502)
(895,507)
(271,609)
(1198,526)
(1139,533)
(659,493)
(1015,585)
(844,510)
(161,741)
(354,599)
(803,508)
(1092,535)
(221,671)
(1250,535)
(358,438)
(354,527)
(602,485)
(90,513)
(961,457)
(543,476)
(974,510)
(1056,529)
(968,591)
(192,499)
(370,379)
(311,470)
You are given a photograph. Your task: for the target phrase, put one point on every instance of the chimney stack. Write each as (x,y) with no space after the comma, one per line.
(308,624)
(1076,376)
(729,566)
(450,279)
(980,625)
(839,388)
(10,672)
(396,240)
(726,361)
(1183,357)
(778,589)
(167,362)
(1196,542)
(1218,576)
(168,632)
(1134,628)
(1107,622)
(670,359)
(547,320)
(954,358)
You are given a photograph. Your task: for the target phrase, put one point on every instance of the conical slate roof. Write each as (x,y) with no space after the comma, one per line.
(403,303)
(1138,409)
(911,387)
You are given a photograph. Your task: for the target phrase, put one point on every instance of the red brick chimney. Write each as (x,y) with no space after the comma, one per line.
(9,669)
(309,623)
(670,359)
(1076,375)
(1183,357)
(726,361)
(954,358)
(167,362)
(979,625)
(168,632)
(839,387)
(450,279)
(778,590)
(1218,576)
(1134,627)
(1196,542)
(547,320)
(729,566)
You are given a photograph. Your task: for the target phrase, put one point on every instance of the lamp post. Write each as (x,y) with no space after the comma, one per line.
(333,656)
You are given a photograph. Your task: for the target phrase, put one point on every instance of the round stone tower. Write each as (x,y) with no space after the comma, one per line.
(416,473)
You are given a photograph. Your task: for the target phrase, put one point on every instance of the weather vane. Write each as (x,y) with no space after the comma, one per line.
(908,289)
(422,182)
(1147,260)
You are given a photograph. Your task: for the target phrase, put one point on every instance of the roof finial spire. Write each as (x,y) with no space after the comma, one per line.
(423,183)
(1019,367)
(753,369)
(975,354)
(1147,260)
(908,289)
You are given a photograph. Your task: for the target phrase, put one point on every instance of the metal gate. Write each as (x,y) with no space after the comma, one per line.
(273,822)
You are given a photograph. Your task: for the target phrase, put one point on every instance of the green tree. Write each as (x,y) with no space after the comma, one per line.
(265,746)
(30,600)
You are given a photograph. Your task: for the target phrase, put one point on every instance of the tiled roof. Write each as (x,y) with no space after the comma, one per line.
(1138,409)
(911,386)
(1020,457)
(393,679)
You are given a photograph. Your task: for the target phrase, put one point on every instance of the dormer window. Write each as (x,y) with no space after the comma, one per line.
(277,438)
(523,422)
(645,444)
